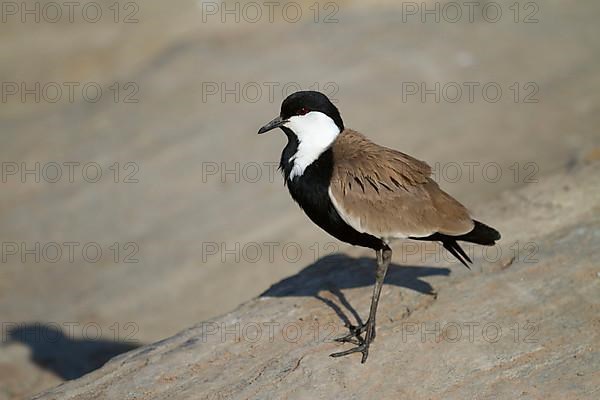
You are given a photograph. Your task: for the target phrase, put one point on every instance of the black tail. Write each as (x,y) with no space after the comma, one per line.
(480,234)
(454,249)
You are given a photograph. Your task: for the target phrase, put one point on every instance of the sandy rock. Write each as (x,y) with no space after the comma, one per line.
(523,324)
(173,132)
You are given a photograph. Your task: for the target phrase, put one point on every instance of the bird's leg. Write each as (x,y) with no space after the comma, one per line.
(383,261)
(354,336)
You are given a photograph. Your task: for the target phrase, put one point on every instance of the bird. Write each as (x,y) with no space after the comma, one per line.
(366,194)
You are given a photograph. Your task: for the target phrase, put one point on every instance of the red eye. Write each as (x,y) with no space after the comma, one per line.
(303,111)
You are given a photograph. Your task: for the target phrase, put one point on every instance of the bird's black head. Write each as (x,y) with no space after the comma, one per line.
(301,103)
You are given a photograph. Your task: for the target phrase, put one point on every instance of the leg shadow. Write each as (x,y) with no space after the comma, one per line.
(339,271)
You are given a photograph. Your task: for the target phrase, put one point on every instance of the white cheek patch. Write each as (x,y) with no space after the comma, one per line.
(315,132)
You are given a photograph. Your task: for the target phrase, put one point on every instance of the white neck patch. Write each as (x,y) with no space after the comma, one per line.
(315,132)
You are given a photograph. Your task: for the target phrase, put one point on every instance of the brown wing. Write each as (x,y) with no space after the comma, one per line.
(390,194)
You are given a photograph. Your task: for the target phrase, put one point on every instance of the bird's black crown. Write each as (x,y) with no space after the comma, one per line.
(300,103)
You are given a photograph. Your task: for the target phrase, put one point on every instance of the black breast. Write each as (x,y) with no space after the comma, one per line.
(311,191)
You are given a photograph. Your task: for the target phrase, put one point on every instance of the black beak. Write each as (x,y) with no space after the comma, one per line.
(276,123)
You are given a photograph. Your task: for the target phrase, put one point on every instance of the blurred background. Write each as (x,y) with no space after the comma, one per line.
(136,198)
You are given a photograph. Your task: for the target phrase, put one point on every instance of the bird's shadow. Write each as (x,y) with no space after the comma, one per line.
(339,271)
(69,358)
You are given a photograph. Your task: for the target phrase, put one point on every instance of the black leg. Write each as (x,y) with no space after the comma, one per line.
(383,261)
(354,335)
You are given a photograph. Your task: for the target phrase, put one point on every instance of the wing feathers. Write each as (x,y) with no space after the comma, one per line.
(389,194)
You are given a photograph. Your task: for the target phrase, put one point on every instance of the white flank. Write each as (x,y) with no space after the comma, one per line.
(353,222)
(358,225)
(315,132)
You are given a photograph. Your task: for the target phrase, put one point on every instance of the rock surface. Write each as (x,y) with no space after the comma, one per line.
(173,132)
(523,324)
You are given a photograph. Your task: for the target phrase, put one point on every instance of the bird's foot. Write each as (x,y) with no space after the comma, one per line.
(354,335)
(362,344)
(363,348)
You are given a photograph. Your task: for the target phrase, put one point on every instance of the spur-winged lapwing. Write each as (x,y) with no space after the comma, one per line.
(365,194)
